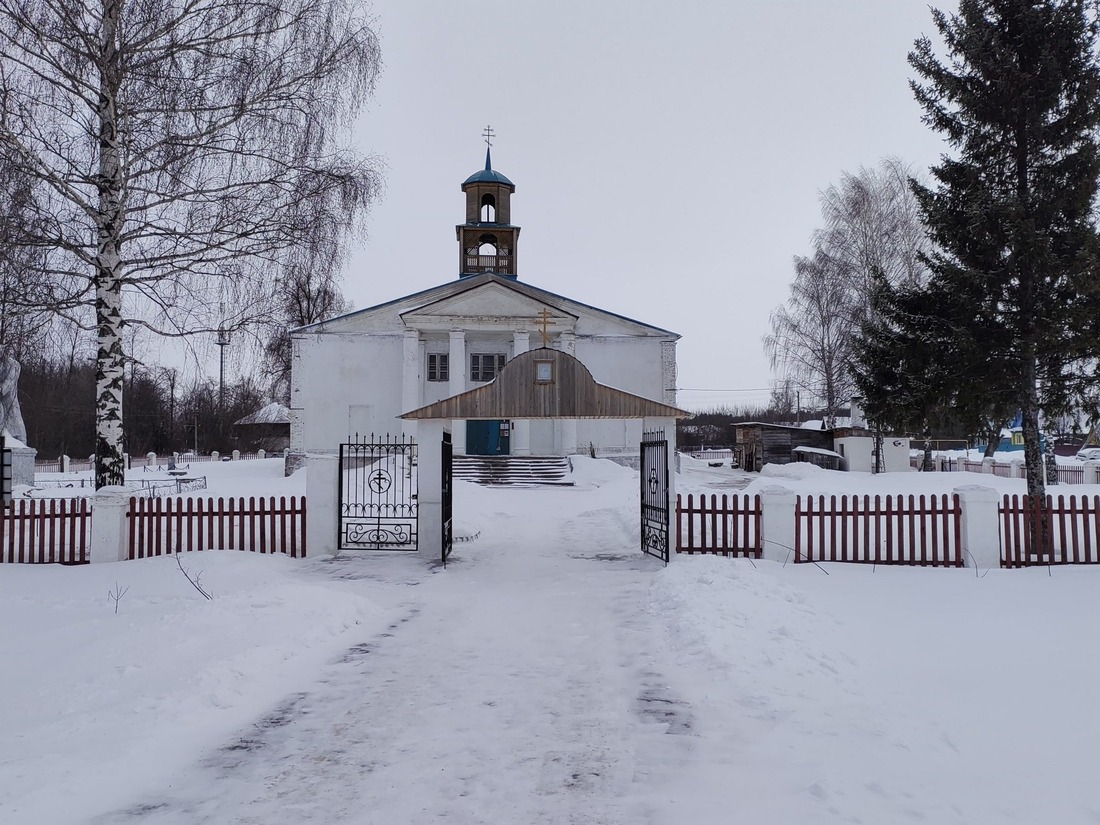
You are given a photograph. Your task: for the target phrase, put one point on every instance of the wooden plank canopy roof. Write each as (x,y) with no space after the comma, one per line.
(545,383)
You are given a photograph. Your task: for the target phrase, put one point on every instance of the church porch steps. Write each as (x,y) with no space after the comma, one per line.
(526,471)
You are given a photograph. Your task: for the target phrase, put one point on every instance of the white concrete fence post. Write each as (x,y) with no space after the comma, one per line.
(109,537)
(151,459)
(777,523)
(987,466)
(1092,472)
(322,492)
(215,455)
(236,455)
(981,535)
(261,454)
(63,464)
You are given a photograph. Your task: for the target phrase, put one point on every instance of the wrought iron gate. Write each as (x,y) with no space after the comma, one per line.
(448,534)
(654,476)
(378,488)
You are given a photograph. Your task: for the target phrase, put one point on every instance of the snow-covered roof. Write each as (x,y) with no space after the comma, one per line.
(273,413)
(818,450)
(11,442)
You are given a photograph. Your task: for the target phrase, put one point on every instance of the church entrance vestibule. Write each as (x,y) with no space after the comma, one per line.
(546,384)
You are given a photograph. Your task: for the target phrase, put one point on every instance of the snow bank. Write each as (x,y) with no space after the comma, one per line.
(113,701)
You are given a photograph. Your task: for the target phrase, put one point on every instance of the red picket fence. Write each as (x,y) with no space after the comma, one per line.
(159,526)
(924,530)
(729,528)
(45,531)
(1072,536)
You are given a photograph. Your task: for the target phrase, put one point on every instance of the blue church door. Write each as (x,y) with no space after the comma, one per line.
(488,438)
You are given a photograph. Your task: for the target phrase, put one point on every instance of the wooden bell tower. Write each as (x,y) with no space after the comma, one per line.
(487,241)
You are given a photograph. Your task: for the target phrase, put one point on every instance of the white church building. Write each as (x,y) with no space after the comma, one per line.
(358,372)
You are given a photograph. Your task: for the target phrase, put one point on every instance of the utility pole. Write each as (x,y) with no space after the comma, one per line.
(222,341)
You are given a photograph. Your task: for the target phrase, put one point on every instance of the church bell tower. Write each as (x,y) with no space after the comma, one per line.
(487,241)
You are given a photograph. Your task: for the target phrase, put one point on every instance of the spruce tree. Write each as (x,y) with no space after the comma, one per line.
(1017,98)
(910,355)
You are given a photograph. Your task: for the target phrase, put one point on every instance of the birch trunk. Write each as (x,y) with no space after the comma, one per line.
(110,465)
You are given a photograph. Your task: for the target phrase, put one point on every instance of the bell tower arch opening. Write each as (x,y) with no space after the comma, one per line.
(488,208)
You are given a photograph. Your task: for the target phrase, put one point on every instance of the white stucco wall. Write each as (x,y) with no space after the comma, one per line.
(348,373)
(347,384)
(858,452)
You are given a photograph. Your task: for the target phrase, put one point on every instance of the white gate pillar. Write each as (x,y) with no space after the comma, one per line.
(567,343)
(457,366)
(521,430)
(429,497)
(322,496)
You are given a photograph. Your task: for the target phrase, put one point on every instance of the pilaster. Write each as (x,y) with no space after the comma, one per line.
(668,372)
(410,378)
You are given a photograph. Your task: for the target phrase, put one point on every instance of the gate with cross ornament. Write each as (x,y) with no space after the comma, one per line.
(654,478)
(378,494)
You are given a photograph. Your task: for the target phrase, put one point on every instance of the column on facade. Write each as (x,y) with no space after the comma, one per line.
(410,378)
(521,430)
(456,361)
(567,343)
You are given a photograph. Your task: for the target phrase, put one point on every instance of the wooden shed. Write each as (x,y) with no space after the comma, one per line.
(756,444)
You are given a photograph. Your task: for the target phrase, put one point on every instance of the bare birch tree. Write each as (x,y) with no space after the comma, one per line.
(871,228)
(810,339)
(178,148)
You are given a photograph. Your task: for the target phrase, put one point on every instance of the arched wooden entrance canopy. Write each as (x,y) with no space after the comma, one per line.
(539,383)
(544,383)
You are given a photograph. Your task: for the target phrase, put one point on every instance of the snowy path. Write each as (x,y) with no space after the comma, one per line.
(516,686)
(552,674)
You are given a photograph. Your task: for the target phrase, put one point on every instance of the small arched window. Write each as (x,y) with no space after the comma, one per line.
(488,208)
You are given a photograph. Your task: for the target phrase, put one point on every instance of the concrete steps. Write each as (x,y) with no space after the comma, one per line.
(519,470)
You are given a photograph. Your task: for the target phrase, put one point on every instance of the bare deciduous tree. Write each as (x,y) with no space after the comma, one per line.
(871,223)
(871,227)
(811,337)
(177,149)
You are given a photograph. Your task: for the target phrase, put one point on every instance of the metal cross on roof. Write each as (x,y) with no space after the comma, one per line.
(488,134)
(545,316)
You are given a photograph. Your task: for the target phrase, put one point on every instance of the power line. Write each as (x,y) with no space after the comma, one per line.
(700,389)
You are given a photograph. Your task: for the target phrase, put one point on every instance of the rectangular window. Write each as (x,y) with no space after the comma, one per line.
(438,366)
(485,366)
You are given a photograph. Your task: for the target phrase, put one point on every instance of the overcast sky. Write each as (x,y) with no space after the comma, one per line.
(667,157)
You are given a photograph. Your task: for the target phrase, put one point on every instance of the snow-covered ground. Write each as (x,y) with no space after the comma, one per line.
(551,674)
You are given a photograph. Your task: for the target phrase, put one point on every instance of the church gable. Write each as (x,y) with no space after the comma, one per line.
(491,304)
